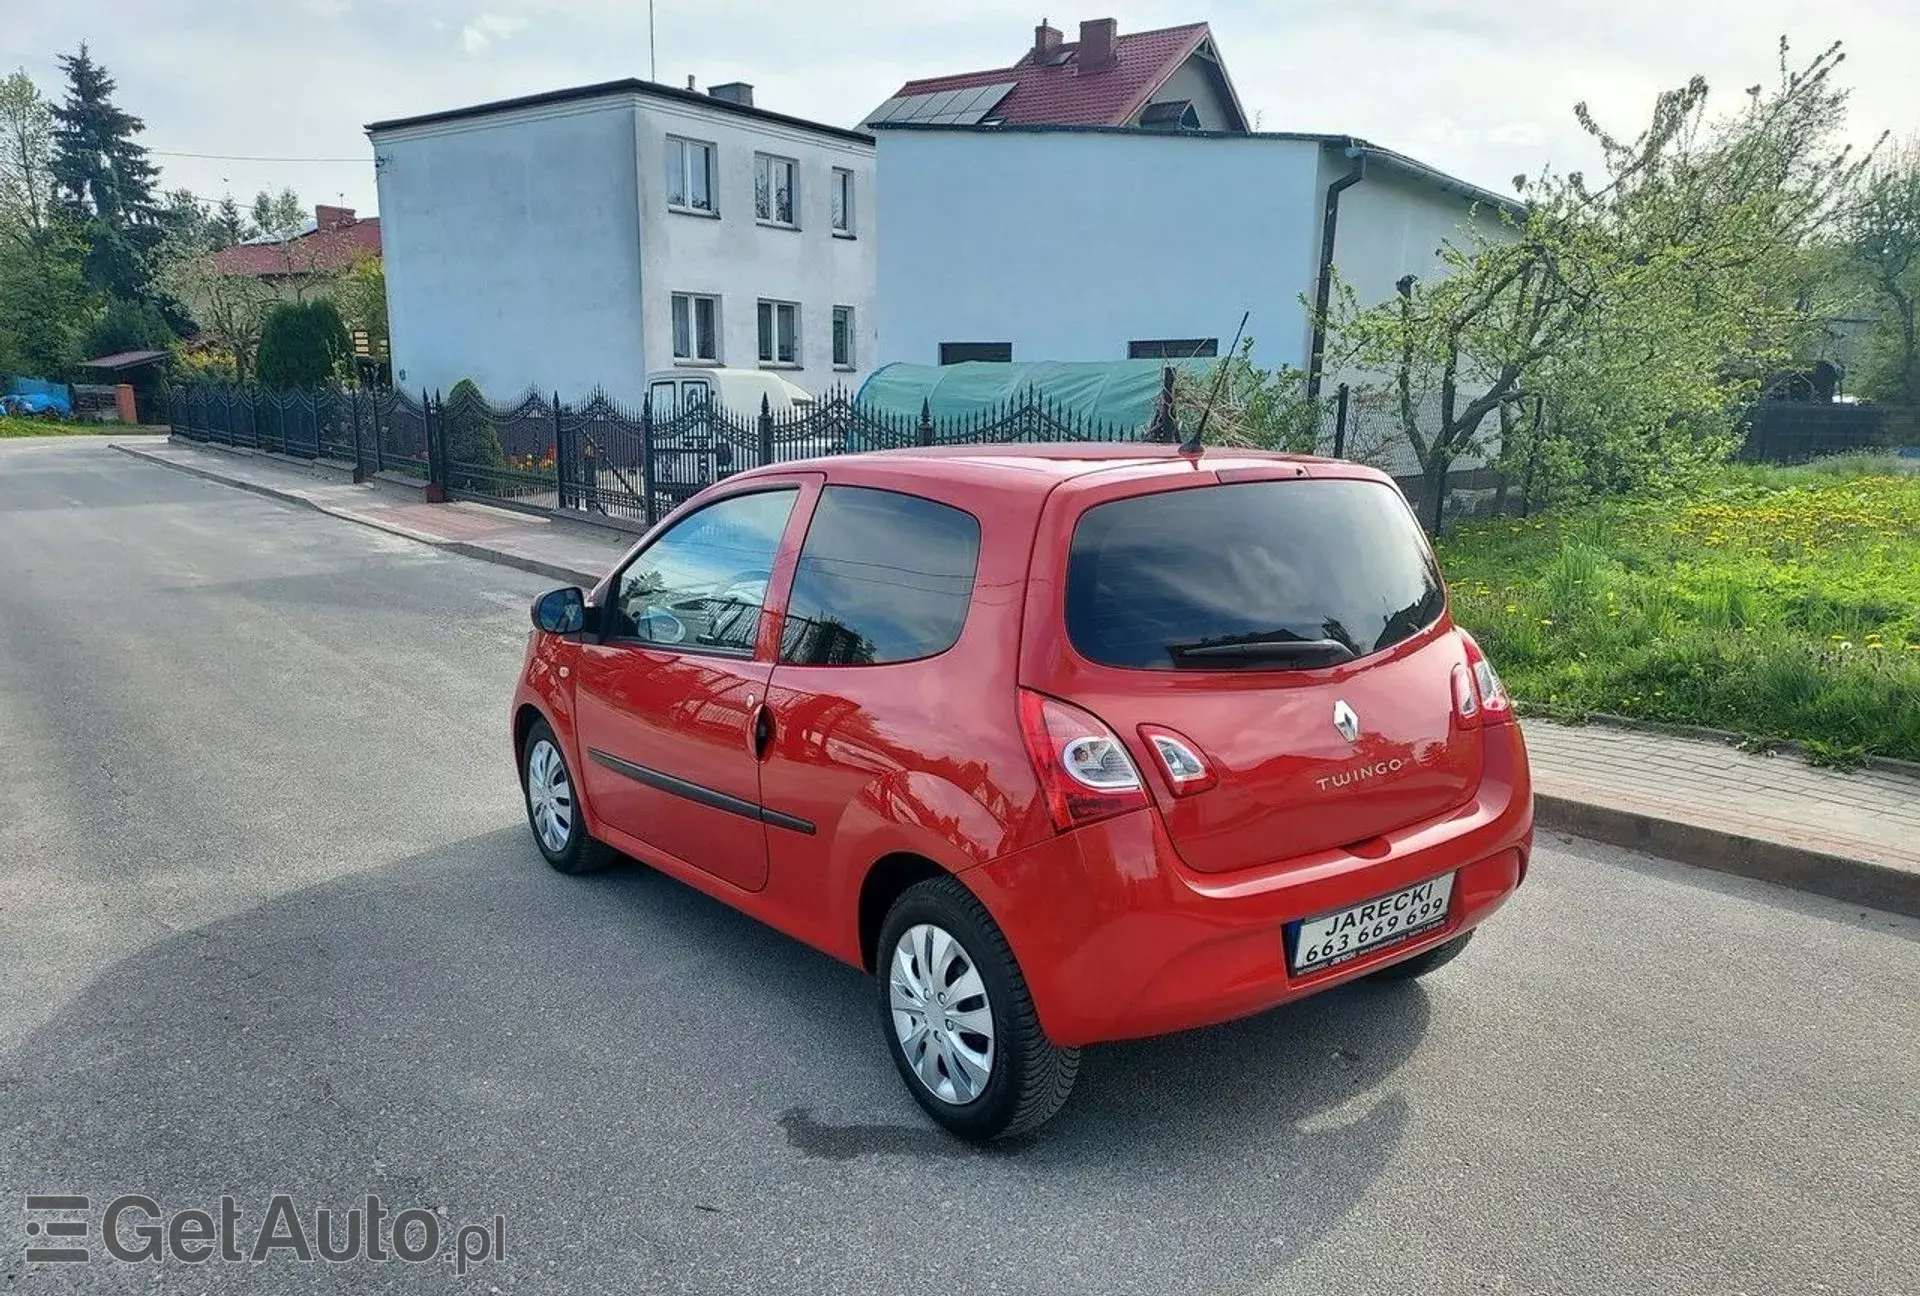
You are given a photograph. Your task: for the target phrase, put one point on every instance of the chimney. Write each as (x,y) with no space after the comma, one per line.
(1046,43)
(1096,45)
(332,218)
(734,92)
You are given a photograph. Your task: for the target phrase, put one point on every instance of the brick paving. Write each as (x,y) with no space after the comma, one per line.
(1865,814)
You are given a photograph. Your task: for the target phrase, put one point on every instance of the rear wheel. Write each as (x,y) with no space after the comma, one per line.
(1421,964)
(959,1021)
(553,806)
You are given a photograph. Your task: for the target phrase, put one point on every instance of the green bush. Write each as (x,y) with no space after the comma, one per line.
(472,441)
(302,344)
(126,326)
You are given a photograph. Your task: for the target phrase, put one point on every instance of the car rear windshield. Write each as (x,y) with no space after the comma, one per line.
(1254,575)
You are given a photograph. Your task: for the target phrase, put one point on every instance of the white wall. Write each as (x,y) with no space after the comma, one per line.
(742,261)
(1070,244)
(535,247)
(1391,225)
(512,251)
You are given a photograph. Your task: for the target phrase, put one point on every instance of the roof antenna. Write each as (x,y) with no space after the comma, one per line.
(1192,445)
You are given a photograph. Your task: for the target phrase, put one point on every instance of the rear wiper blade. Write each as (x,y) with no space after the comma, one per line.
(1282,647)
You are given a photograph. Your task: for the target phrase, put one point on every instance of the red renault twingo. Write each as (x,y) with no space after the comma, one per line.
(1063,743)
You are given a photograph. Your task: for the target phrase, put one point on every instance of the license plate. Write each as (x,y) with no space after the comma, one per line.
(1388,920)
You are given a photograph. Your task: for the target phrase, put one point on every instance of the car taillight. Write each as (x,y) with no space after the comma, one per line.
(1186,769)
(1495,705)
(1085,772)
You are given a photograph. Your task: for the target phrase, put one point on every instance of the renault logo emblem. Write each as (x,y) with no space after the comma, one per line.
(1345,720)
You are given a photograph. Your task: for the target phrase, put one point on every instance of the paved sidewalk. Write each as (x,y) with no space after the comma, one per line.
(1854,835)
(577,554)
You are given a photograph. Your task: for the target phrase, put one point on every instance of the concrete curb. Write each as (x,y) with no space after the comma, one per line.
(1862,882)
(466,549)
(1836,876)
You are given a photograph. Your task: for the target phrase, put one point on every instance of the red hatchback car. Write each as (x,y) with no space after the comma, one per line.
(1063,743)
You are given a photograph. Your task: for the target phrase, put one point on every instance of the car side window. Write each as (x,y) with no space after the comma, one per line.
(882,577)
(700,587)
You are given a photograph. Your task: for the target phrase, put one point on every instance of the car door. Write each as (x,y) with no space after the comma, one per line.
(665,698)
(877,715)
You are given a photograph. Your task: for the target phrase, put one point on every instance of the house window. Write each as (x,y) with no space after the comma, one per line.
(689,175)
(779,333)
(696,327)
(843,337)
(774,186)
(842,201)
(1173,348)
(1171,114)
(959,352)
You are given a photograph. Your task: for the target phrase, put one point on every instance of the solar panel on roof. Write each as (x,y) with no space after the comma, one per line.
(975,98)
(937,105)
(964,107)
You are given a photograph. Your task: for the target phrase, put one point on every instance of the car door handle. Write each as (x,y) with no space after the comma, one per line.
(759,731)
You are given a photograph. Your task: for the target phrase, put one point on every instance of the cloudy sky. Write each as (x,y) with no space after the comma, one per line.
(1481,88)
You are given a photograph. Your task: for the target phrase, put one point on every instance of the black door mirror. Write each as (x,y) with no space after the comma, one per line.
(561,611)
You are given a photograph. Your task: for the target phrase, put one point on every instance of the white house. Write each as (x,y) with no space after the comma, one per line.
(580,239)
(1102,199)
(1094,243)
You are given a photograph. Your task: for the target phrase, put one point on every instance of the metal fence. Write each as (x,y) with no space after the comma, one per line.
(1796,431)
(374,432)
(600,458)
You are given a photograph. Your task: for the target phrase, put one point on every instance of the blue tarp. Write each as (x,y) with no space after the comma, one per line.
(36,396)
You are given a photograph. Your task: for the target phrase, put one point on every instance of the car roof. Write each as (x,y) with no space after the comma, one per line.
(1038,468)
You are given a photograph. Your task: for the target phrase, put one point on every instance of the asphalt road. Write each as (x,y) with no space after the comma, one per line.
(271,921)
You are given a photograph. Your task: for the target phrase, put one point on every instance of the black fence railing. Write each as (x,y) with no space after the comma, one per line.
(1797,431)
(374,432)
(599,458)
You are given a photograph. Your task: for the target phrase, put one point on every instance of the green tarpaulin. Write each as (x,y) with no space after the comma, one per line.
(1119,393)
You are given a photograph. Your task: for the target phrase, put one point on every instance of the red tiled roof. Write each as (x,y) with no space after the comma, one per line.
(333,249)
(1044,94)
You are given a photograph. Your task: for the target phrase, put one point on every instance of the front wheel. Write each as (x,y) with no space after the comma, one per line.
(553,806)
(959,1020)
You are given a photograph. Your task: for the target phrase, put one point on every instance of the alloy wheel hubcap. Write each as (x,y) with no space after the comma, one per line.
(549,796)
(941,1013)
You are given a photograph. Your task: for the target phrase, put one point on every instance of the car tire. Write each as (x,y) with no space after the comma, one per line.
(1028,1077)
(1421,964)
(553,806)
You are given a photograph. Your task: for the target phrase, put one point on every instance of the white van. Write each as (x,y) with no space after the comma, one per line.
(737,391)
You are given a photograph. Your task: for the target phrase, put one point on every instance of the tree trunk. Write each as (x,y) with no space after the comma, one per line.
(1500,474)
(1436,482)
(1909,353)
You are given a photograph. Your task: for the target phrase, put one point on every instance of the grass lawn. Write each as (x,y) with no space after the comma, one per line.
(26,427)
(1779,602)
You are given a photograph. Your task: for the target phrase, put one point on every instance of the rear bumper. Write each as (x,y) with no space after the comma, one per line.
(1118,939)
